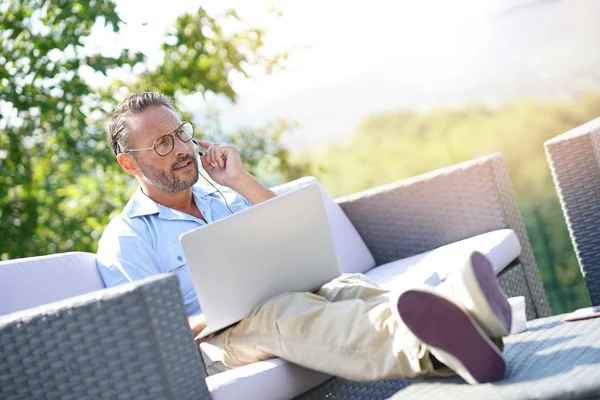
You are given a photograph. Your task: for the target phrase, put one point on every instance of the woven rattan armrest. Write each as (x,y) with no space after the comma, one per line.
(127,342)
(574,160)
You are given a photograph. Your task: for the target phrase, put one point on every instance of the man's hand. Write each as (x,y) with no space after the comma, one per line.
(197,325)
(224,165)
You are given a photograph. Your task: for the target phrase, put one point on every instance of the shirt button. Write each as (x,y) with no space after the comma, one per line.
(179,258)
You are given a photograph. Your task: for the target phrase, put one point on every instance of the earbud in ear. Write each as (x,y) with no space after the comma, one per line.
(200,152)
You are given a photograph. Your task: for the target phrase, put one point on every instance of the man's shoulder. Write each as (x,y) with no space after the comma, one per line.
(124,225)
(120,224)
(204,191)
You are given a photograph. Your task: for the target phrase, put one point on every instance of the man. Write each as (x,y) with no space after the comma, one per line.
(349,327)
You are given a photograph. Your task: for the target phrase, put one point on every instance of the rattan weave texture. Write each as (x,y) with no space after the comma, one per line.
(127,342)
(514,283)
(574,161)
(551,360)
(422,213)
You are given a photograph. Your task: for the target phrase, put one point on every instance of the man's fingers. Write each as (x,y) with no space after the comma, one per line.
(207,156)
(221,156)
(204,160)
(204,144)
(215,156)
(212,156)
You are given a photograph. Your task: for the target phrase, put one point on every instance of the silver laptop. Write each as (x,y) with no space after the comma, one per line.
(284,244)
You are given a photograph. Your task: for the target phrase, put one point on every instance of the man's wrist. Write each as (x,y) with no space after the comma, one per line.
(242,182)
(251,189)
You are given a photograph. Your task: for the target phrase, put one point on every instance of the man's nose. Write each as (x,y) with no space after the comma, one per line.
(180,147)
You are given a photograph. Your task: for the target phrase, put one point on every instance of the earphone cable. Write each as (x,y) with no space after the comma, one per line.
(211,184)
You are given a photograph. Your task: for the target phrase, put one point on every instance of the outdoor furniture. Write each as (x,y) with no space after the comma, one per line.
(552,359)
(133,341)
(127,342)
(574,159)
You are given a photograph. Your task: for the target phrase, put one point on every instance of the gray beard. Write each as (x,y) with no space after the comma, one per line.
(167,181)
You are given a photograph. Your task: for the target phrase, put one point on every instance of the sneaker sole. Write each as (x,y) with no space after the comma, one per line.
(452,336)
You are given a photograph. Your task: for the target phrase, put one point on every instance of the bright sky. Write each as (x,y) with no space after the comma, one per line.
(338,39)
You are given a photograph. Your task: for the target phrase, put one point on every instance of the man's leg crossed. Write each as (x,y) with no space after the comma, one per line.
(350,337)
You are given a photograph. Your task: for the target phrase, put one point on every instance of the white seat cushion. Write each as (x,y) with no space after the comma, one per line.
(31,282)
(352,251)
(271,379)
(501,247)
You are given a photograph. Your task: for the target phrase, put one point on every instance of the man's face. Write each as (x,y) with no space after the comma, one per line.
(175,172)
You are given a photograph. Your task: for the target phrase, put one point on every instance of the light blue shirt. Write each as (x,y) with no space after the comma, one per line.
(144,240)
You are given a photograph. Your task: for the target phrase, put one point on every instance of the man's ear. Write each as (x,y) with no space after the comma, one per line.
(128,164)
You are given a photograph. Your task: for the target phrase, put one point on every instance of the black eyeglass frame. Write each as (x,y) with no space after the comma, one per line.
(171,138)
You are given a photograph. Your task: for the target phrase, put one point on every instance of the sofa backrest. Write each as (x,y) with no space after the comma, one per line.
(33,281)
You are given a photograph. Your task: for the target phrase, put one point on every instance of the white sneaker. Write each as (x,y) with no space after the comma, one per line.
(451,335)
(475,287)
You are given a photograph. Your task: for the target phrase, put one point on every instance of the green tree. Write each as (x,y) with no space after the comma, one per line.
(46,149)
(59,183)
(200,57)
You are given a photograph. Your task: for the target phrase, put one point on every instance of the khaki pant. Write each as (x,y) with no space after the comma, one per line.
(346,329)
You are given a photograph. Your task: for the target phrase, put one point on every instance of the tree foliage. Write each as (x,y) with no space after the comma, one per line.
(59,182)
(200,57)
(46,150)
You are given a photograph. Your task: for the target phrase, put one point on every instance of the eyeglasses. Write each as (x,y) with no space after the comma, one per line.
(164,144)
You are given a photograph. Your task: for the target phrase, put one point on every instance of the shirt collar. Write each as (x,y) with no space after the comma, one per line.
(140,205)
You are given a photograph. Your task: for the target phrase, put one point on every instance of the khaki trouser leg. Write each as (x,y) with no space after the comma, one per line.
(345,329)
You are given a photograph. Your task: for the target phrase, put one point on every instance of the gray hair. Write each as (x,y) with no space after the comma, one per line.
(118,129)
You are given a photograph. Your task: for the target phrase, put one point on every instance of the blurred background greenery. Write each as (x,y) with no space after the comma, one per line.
(60,184)
(401,144)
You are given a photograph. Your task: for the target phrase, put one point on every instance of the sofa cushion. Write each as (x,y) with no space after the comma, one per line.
(33,281)
(352,251)
(271,379)
(501,247)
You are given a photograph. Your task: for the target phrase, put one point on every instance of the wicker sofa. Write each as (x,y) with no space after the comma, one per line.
(574,159)
(133,341)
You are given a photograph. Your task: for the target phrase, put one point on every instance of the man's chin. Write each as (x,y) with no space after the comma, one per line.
(188,183)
